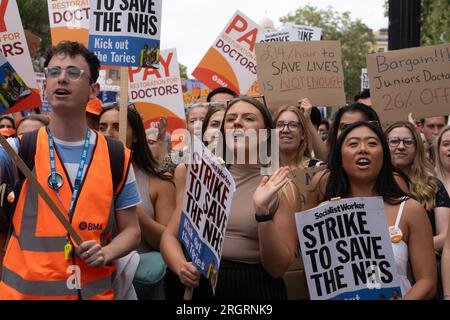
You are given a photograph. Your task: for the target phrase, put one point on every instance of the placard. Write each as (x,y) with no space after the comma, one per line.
(206,207)
(290,71)
(231,61)
(126,33)
(158,92)
(347,251)
(413,80)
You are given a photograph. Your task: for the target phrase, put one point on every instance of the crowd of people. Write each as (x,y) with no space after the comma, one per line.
(125,202)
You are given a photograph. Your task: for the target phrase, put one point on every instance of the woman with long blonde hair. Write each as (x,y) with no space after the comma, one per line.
(294,138)
(442,152)
(408,155)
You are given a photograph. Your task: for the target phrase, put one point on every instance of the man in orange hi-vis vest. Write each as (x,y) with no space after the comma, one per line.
(76,168)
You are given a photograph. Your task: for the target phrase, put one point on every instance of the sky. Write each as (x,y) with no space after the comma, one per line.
(192,26)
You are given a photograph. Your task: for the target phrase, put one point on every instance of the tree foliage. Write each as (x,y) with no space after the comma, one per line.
(435,22)
(34,15)
(435,28)
(355,37)
(183,71)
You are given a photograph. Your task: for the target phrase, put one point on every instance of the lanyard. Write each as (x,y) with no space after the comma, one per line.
(83,161)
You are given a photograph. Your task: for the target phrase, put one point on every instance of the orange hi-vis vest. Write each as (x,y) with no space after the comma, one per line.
(34,266)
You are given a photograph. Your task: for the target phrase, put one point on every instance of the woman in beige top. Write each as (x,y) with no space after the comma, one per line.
(260,240)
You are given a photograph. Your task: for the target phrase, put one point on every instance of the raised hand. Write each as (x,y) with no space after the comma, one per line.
(162,129)
(306,106)
(268,188)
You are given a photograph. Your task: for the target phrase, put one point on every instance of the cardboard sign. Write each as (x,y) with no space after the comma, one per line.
(302,178)
(347,251)
(206,206)
(158,92)
(13,46)
(69,20)
(290,71)
(231,61)
(413,80)
(289,33)
(125,33)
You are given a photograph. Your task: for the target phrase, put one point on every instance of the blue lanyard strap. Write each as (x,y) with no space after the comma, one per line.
(54,182)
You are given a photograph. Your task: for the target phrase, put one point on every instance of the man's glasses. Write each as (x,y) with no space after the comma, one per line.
(343,126)
(72,73)
(292,126)
(395,142)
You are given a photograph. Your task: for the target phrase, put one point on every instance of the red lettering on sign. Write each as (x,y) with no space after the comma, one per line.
(3,7)
(153,72)
(240,25)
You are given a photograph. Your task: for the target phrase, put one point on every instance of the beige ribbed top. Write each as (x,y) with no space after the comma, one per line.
(241,238)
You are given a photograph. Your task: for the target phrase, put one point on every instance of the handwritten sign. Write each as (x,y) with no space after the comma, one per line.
(125,33)
(302,179)
(206,207)
(69,19)
(413,80)
(289,71)
(231,61)
(347,251)
(158,92)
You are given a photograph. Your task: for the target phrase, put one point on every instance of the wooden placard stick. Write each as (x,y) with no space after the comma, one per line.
(188,292)
(123,122)
(35,184)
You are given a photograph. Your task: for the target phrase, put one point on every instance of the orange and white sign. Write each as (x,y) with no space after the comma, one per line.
(13,45)
(231,61)
(69,19)
(158,92)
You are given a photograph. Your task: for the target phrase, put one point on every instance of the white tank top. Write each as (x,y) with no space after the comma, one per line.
(401,256)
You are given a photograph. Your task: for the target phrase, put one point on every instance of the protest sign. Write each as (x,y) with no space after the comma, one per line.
(231,61)
(364,79)
(109,79)
(291,32)
(290,71)
(13,46)
(275,36)
(206,206)
(347,251)
(13,89)
(413,80)
(69,19)
(42,83)
(194,91)
(125,33)
(302,177)
(303,33)
(158,92)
